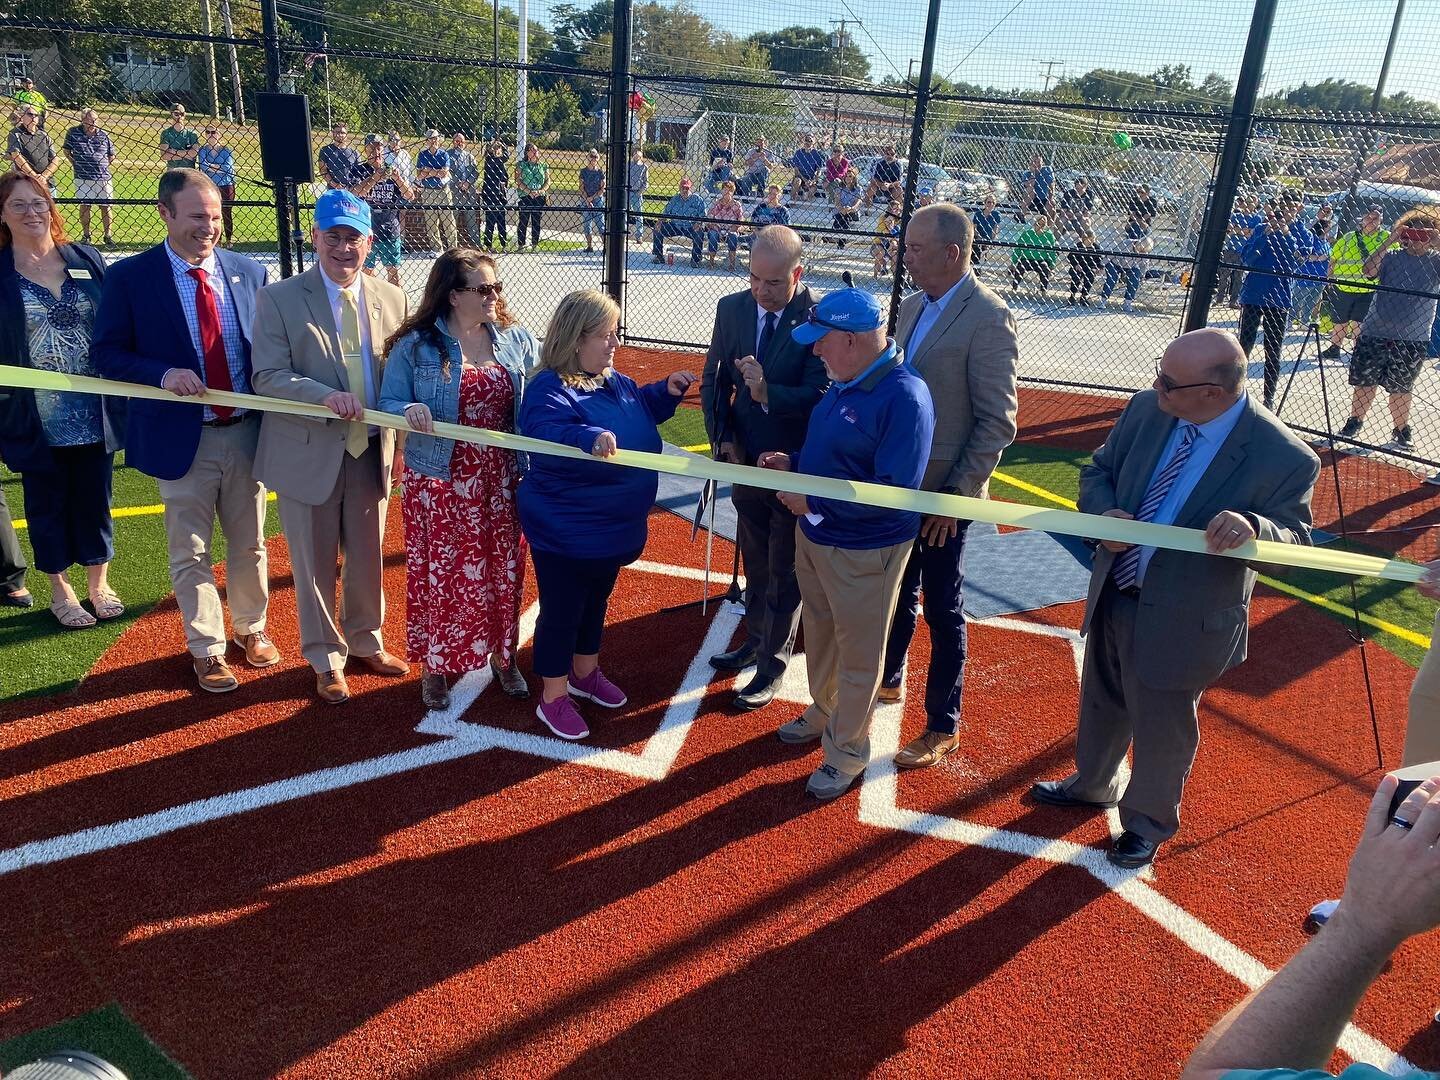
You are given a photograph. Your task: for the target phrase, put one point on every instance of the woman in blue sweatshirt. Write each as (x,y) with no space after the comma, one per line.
(585,520)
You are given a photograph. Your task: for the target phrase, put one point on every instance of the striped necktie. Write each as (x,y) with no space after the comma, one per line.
(1126,569)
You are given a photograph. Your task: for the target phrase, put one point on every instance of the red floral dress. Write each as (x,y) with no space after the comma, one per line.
(464,554)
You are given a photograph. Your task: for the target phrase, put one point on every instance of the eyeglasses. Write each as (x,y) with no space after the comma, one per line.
(1170,386)
(489,288)
(36,207)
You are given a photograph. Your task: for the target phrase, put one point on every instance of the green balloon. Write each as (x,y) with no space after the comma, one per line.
(1122,140)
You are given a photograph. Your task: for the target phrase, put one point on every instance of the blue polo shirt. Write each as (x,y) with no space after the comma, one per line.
(433,159)
(875,428)
(90,153)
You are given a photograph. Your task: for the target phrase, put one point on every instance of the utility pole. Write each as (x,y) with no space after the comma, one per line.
(229,25)
(840,39)
(522,83)
(1050,66)
(207,28)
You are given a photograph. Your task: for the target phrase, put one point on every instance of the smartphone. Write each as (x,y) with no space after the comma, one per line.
(1410,778)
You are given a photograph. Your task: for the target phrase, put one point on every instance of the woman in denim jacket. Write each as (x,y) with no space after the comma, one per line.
(460,358)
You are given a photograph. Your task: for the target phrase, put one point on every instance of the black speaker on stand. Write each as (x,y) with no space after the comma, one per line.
(285,157)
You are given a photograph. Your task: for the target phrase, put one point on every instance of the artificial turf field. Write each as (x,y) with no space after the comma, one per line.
(256,884)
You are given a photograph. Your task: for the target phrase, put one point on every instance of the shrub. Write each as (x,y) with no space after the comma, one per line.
(659,151)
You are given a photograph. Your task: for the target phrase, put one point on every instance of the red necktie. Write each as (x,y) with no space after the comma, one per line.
(217,368)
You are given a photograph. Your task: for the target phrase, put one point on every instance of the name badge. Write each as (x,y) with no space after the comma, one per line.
(235,279)
(78,275)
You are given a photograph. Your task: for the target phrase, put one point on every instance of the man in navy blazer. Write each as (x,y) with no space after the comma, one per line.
(178,316)
(758,390)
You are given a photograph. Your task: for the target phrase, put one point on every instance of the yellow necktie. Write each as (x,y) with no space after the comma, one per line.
(357,440)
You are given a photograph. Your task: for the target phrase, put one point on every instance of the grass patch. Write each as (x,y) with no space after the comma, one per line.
(107,1033)
(36,655)
(685,428)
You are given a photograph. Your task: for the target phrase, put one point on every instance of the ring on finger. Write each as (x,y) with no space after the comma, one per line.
(1401,823)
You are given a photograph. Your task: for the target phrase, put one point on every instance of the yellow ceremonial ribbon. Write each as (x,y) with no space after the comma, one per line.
(1065,522)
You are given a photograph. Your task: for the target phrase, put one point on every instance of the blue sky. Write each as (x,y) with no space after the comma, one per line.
(1006,43)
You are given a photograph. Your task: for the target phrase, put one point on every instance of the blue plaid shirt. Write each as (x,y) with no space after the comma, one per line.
(186,286)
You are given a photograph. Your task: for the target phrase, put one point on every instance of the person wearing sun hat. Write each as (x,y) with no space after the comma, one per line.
(874,424)
(319,338)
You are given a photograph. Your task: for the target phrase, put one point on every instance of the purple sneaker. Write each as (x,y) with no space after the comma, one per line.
(598,689)
(561,717)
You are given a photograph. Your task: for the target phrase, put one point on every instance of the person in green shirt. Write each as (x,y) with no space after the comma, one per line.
(532,180)
(1035,249)
(1350,295)
(179,143)
(28,95)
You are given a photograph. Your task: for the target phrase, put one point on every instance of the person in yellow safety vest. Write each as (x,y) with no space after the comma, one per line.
(28,95)
(1350,295)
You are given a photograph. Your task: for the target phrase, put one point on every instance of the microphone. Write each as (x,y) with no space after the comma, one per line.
(846,279)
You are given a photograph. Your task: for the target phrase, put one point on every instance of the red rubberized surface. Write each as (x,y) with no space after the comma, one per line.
(506,915)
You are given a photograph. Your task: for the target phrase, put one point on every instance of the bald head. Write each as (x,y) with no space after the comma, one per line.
(1210,366)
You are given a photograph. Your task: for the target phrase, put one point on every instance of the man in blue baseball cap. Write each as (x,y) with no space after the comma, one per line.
(319,338)
(874,424)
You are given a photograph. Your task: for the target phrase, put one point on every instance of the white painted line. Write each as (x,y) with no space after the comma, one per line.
(148,826)
(878,795)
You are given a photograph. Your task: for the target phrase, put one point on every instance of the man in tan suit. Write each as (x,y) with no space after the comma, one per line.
(318,337)
(960,337)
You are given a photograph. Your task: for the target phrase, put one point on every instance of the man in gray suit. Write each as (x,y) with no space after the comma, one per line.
(960,337)
(757,392)
(320,338)
(1162,625)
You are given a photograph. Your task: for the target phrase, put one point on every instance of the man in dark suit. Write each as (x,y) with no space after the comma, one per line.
(1162,625)
(758,390)
(960,337)
(178,316)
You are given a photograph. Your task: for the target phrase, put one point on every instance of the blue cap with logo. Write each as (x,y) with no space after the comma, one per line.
(852,311)
(338,207)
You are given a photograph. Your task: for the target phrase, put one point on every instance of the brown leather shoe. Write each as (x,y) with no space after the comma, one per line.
(213,674)
(889,693)
(331,687)
(384,663)
(260,651)
(925,751)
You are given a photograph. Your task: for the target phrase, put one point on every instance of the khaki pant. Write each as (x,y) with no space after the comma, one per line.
(219,484)
(1422,733)
(351,522)
(848,598)
(440,234)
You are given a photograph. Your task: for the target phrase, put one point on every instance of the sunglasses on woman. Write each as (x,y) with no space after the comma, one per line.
(490,288)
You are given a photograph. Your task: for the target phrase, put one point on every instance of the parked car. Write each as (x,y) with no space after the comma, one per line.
(947,188)
(975,186)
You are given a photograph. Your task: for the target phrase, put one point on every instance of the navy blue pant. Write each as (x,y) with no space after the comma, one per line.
(68,509)
(574,594)
(939,574)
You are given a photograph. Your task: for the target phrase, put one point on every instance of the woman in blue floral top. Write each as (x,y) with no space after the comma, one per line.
(62,445)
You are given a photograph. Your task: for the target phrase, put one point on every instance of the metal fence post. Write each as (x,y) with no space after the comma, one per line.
(917,145)
(1232,161)
(617,202)
(270,31)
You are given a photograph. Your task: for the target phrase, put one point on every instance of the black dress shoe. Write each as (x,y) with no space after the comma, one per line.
(1054,793)
(758,693)
(733,660)
(1132,851)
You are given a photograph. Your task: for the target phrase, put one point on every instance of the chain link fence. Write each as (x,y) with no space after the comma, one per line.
(1092,176)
